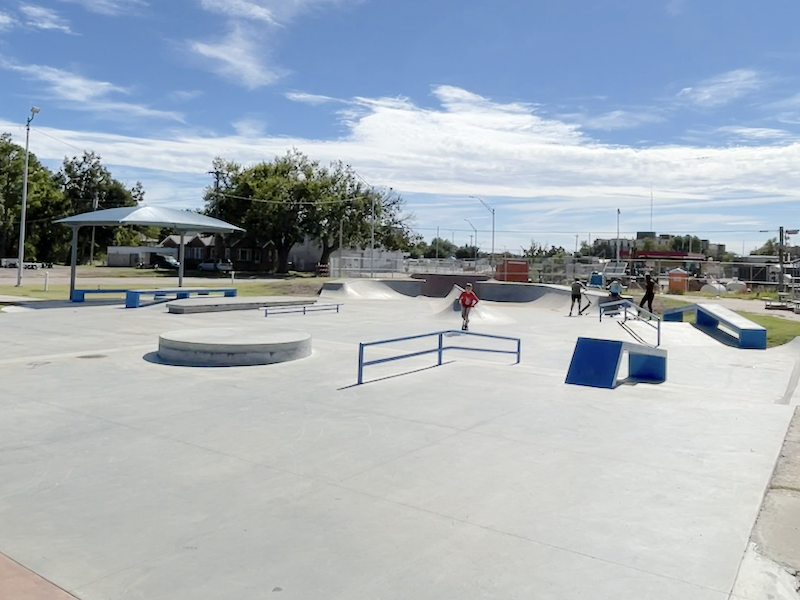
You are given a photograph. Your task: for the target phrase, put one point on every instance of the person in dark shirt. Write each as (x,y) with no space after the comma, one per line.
(649,292)
(577,295)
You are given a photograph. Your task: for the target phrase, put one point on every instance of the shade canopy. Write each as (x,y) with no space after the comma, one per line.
(150,216)
(147,216)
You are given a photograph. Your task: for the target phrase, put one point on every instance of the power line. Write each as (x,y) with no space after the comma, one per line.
(52,137)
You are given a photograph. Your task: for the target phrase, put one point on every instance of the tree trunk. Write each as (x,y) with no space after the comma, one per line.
(283,256)
(327,250)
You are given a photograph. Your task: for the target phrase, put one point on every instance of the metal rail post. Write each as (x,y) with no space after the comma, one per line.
(440,349)
(360,364)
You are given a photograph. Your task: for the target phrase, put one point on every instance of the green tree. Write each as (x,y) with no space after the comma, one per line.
(770,248)
(292,198)
(43,240)
(86,183)
(440,247)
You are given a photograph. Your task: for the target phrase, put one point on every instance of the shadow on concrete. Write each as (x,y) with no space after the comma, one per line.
(719,335)
(355,385)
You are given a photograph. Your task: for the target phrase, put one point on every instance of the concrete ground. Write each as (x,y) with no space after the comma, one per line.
(123,478)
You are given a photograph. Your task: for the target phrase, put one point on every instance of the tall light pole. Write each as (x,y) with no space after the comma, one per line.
(617,238)
(476,238)
(491,210)
(372,242)
(21,257)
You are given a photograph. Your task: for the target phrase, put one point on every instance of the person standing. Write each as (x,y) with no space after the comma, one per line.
(577,295)
(649,292)
(467,300)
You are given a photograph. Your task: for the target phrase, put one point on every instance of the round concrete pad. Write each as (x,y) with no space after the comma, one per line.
(230,347)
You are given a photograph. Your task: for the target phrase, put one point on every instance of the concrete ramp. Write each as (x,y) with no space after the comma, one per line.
(448,310)
(364,289)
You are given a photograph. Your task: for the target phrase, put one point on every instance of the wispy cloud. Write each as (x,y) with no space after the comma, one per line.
(617,119)
(251,126)
(40,17)
(6,21)
(305,98)
(240,9)
(722,89)
(185,95)
(543,173)
(239,58)
(676,7)
(110,7)
(244,54)
(81,93)
(756,134)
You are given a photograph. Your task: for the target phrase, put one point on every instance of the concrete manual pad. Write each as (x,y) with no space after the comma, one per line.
(123,478)
(232,347)
(222,304)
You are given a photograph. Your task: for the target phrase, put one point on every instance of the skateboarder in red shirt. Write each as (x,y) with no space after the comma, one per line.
(467,299)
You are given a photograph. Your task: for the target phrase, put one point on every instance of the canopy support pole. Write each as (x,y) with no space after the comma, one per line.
(73,262)
(181,259)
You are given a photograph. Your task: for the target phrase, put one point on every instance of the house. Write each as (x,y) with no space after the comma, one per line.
(199,248)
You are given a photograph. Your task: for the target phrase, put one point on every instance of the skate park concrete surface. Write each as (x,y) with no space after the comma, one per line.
(125,478)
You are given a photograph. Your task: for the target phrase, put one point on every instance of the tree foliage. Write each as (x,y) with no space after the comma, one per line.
(53,196)
(293,198)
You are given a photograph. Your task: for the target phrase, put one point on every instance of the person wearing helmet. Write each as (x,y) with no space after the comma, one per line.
(467,300)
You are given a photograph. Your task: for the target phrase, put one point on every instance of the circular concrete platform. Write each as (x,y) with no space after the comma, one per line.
(230,347)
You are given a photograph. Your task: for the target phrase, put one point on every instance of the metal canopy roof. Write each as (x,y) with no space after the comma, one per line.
(150,216)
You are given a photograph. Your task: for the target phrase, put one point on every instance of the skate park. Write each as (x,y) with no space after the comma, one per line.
(125,476)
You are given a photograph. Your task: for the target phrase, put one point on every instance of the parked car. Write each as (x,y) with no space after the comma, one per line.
(218,265)
(161,261)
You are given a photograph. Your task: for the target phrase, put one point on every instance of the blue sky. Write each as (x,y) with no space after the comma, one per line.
(555,113)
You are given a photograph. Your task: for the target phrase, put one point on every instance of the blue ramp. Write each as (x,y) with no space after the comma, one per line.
(595,363)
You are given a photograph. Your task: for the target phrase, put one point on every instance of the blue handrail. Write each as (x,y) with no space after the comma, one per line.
(438,350)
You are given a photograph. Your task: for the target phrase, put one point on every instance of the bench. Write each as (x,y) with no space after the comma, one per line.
(784,300)
(711,316)
(80,295)
(596,362)
(279,310)
(133,298)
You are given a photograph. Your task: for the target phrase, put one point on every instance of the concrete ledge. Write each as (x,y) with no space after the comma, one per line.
(218,304)
(229,347)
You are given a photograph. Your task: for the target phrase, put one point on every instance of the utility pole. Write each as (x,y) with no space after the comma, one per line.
(217,237)
(21,255)
(617,238)
(91,248)
(437,242)
(780,257)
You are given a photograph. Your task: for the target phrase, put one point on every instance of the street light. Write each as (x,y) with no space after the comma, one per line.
(476,238)
(617,238)
(21,257)
(491,210)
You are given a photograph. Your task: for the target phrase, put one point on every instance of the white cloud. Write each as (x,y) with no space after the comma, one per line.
(252,127)
(758,134)
(243,56)
(238,57)
(110,7)
(185,95)
(676,7)
(722,89)
(313,99)
(617,119)
(539,173)
(80,93)
(240,9)
(6,21)
(43,18)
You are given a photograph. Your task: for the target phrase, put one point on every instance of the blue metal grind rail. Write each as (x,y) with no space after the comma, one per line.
(439,350)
